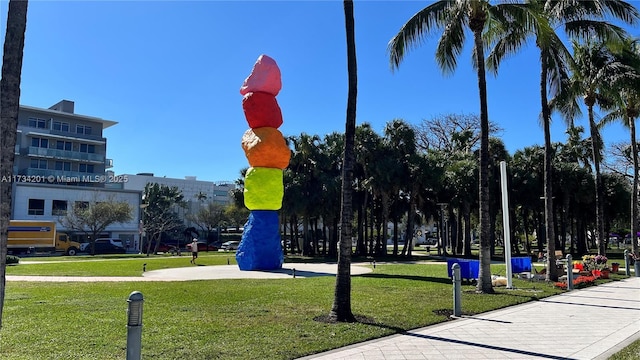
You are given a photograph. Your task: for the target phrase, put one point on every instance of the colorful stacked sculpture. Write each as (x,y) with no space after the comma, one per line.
(268,155)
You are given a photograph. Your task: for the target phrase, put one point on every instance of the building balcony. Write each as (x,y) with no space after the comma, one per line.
(108,163)
(65,135)
(61,176)
(66,155)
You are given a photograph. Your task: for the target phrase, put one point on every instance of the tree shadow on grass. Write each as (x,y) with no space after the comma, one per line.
(361,319)
(408,277)
(366,320)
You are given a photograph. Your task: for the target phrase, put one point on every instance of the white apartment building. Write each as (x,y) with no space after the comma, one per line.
(192,189)
(197,193)
(60,158)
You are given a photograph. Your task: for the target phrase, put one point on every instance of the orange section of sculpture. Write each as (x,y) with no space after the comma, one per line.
(266,147)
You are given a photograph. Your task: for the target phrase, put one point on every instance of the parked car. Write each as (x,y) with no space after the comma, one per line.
(230,245)
(86,247)
(108,246)
(164,248)
(202,246)
(217,244)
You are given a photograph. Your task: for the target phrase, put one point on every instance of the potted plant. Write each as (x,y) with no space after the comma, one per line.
(601,264)
(615,267)
(597,265)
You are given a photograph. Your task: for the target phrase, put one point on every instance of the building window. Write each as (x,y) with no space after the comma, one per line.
(63,145)
(38,164)
(63,166)
(38,123)
(59,208)
(83,129)
(86,168)
(39,142)
(88,148)
(36,206)
(61,126)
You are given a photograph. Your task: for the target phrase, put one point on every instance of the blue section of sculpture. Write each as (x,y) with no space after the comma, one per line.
(260,248)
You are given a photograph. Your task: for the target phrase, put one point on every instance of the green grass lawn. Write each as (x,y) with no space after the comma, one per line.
(631,352)
(113,265)
(224,319)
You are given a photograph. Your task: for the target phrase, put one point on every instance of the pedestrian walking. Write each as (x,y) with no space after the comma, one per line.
(194,250)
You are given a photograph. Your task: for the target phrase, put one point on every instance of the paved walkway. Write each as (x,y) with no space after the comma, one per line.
(591,323)
(302,270)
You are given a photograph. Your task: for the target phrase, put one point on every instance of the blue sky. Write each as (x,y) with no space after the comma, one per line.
(169,73)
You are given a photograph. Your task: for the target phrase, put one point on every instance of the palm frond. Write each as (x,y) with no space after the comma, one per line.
(558,60)
(516,23)
(416,29)
(566,105)
(452,40)
(610,117)
(507,30)
(623,10)
(586,29)
(570,10)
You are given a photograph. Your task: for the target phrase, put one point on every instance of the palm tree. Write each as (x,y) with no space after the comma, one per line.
(306,176)
(9,106)
(380,173)
(627,108)
(526,179)
(341,309)
(400,140)
(594,71)
(331,186)
(572,163)
(452,17)
(580,19)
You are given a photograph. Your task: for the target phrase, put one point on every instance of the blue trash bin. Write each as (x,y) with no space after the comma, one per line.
(520,264)
(469,268)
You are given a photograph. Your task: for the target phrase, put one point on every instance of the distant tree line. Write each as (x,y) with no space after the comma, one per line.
(405,175)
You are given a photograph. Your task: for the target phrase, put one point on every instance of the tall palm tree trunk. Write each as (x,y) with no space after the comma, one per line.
(9,107)
(466,215)
(408,238)
(341,309)
(599,234)
(385,221)
(484,275)
(552,272)
(636,196)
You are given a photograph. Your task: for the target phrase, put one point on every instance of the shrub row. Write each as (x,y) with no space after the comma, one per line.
(579,282)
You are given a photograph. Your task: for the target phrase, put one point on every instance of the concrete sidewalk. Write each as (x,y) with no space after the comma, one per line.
(591,323)
(301,270)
